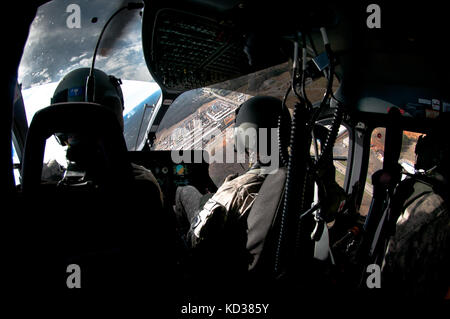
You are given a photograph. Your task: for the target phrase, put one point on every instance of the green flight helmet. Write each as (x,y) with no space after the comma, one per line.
(107,92)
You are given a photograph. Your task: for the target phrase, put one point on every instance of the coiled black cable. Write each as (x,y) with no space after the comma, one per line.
(282,147)
(283,142)
(331,138)
(303,121)
(295,176)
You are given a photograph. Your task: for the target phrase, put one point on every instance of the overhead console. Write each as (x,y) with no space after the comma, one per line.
(187,50)
(191,44)
(190,51)
(196,43)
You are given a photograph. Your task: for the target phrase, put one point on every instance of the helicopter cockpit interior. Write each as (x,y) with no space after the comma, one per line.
(362,83)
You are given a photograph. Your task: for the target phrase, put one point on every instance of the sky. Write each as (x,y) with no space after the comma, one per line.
(53,49)
(38,97)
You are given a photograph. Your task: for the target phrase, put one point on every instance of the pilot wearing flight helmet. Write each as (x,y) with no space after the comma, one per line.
(107,92)
(204,213)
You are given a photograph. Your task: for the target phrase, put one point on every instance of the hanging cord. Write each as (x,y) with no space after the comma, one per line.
(283,148)
(282,139)
(301,130)
(330,76)
(307,163)
(286,158)
(327,147)
(296,174)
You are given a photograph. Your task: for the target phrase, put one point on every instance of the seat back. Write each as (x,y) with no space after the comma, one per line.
(261,220)
(90,119)
(117,233)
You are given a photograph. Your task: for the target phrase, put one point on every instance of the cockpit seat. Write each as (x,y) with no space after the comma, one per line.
(115,229)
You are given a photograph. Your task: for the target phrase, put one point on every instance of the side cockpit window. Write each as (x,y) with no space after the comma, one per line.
(16,166)
(406,160)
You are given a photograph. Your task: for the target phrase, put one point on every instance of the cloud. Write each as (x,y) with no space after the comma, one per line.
(127,63)
(52,49)
(75,58)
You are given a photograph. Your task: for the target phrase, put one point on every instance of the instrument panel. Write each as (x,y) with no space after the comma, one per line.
(172,174)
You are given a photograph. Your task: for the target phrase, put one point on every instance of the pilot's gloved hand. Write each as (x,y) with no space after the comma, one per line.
(141,173)
(52,171)
(208,223)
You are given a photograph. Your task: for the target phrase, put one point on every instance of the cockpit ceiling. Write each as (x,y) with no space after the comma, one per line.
(195,43)
(189,51)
